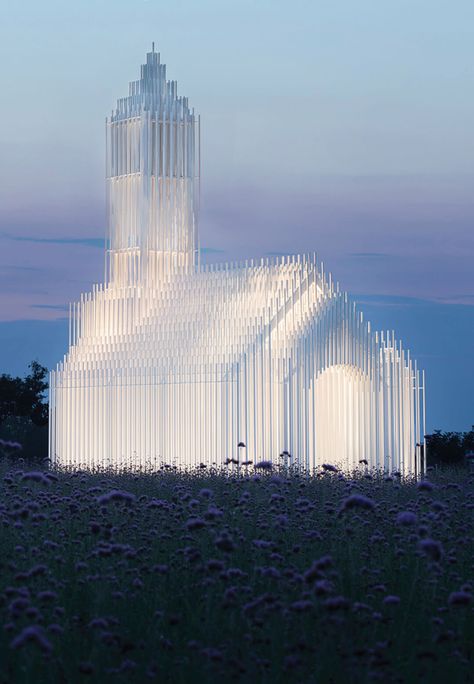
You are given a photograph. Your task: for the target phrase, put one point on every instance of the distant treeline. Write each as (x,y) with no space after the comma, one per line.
(24,413)
(449,448)
(24,421)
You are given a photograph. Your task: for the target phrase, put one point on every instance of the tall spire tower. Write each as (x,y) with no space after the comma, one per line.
(152,179)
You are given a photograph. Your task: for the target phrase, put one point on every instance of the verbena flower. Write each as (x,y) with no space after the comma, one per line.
(32,634)
(264,465)
(357,501)
(116,495)
(195,524)
(301,606)
(431,548)
(460,598)
(336,603)
(425,486)
(406,518)
(328,468)
(391,600)
(36,476)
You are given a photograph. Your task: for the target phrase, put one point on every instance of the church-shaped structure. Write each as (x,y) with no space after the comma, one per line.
(172,362)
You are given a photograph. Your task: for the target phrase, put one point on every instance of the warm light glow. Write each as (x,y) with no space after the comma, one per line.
(173,362)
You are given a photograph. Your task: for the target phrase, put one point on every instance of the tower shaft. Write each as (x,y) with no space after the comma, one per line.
(152,178)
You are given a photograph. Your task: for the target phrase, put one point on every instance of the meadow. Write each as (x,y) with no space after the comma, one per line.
(265,576)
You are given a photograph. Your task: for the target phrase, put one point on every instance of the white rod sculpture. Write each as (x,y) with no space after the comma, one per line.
(172,362)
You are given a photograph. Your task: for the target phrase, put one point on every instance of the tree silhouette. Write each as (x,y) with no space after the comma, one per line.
(449,448)
(25,397)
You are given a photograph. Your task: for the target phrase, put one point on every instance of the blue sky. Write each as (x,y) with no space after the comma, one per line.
(342,127)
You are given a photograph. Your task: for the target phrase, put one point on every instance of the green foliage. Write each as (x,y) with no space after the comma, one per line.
(24,413)
(449,448)
(32,438)
(24,397)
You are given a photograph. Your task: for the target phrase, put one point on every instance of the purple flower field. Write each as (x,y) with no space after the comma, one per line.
(211,577)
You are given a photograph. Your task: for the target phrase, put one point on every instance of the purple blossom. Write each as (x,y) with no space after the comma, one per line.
(391,600)
(206,493)
(431,548)
(336,603)
(212,653)
(317,569)
(36,476)
(269,572)
(359,606)
(18,605)
(47,596)
(425,486)
(460,598)
(195,524)
(323,586)
(282,520)
(213,512)
(54,628)
(36,570)
(357,501)
(160,568)
(7,444)
(98,623)
(158,503)
(406,518)
(261,600)
(262,543)
(215,565)
(234,573)
(264,465)
(32,634)
(224,542)
(116,495)
(301,606)
(328,468)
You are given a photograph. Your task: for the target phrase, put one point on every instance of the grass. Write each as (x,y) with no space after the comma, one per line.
(198,577)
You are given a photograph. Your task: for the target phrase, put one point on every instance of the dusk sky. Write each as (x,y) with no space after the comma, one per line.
(341,127)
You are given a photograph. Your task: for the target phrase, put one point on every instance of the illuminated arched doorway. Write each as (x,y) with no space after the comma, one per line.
(342,416)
